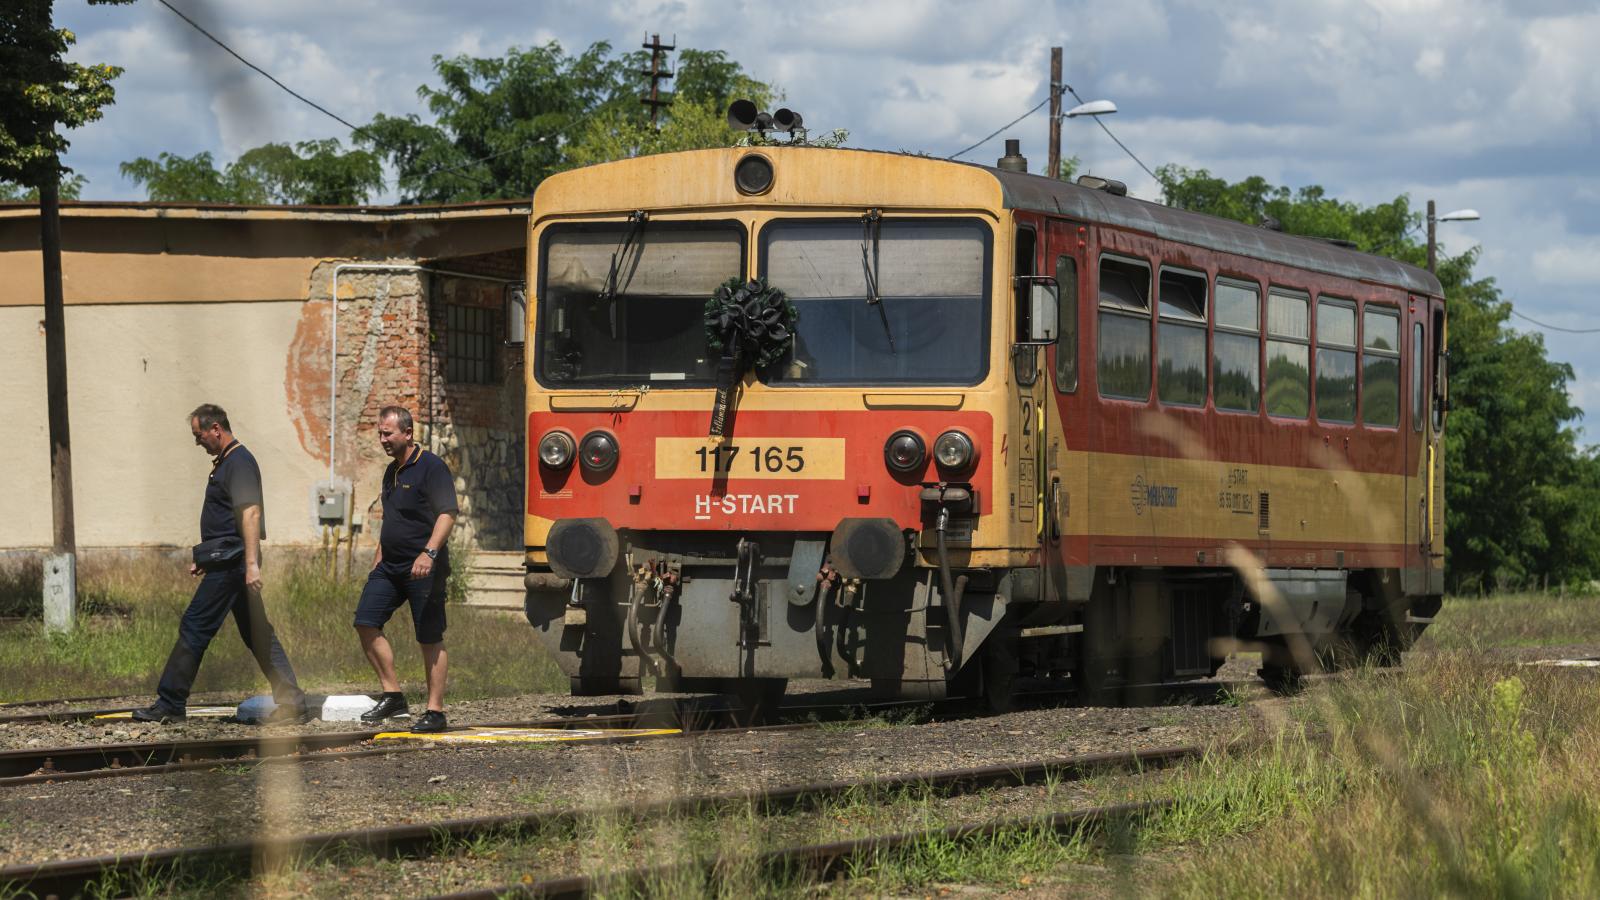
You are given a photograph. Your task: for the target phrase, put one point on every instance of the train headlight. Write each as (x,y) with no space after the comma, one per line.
(954,450)
(556,449)
(598,452)
(753,174)
(905,451)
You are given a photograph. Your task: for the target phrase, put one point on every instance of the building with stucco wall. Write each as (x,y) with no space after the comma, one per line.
(172,305)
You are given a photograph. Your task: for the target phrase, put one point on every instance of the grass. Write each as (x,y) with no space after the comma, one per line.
(1515,620)
(490,655)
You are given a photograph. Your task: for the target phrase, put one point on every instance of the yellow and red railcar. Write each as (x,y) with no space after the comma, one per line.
(1023,427)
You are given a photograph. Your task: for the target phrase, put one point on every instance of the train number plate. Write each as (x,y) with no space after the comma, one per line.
(776,458)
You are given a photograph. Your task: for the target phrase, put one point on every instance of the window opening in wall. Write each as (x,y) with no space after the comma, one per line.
(1380,366)
(1288,354)
(1418,407)
(1067,322)
(469,344)
(1181,342)
(1236,347)
(1336,360)
(1123,356)
(1440,372)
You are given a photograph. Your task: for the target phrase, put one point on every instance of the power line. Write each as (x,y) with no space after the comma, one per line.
(1098,120)
(263,72)
(1000,129)
(1556,327)
(355,129)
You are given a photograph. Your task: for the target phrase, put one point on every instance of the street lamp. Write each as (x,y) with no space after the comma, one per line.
(1057,88)
(1460,215)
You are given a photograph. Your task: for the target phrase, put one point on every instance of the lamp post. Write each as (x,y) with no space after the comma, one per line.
(1460,215)
(1092,108)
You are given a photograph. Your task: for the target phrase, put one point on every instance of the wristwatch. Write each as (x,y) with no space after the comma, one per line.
(432,554)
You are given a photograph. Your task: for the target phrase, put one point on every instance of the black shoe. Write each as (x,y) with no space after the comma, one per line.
(158,714)
(431,721)
(390,705)
(288,714)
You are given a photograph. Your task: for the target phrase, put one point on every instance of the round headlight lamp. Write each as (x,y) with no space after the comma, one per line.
(556,449)
(954,450)
(753,174)
(598,452)
(905,451)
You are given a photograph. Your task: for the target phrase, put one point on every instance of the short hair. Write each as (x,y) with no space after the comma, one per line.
(402,416)
(210,414)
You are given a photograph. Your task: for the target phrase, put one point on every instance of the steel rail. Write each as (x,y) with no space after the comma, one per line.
(76,876)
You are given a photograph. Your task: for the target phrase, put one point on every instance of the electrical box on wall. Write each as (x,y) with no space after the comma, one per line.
(330,502)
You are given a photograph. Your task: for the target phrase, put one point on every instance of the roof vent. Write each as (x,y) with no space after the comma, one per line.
(1109,185)
(1013,161)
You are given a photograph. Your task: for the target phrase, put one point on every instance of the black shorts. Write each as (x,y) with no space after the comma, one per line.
(388,587)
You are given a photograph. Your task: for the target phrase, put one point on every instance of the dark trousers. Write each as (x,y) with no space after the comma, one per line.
(219,594)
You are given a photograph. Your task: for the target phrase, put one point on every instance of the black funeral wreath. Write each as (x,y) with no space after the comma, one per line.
(751,323)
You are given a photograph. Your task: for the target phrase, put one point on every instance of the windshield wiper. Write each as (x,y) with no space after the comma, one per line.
(608,293)
(871,225)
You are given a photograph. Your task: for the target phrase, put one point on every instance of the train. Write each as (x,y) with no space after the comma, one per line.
(799,412)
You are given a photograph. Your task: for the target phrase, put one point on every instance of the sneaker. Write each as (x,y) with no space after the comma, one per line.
(431,721)
(158,714)
(389,706)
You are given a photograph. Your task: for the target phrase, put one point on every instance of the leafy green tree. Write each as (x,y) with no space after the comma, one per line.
(70,188)
(310,172)
(1522,500)
(502,125)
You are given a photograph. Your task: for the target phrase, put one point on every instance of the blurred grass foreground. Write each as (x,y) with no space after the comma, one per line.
(129,609)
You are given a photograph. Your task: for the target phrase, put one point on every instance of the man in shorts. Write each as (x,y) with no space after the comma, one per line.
(412,565)
(228,562)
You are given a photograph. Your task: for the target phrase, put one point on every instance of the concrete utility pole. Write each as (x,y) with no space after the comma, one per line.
(1054,164)
(61,581)
(657,73)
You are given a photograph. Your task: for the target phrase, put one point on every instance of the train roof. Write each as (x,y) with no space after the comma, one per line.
(1038,193)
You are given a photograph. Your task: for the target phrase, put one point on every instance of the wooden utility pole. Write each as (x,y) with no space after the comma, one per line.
(657,73)
(1054,170)
(60,600)
(1433,248)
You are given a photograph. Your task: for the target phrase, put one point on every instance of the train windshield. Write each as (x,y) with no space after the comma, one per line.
(900,302)
(625,302)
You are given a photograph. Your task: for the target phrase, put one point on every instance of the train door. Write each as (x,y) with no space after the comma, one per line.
(1026,369)
(1438,406)
(1063,260)
(1416,437)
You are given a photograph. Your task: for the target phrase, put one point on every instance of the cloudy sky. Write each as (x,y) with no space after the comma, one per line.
(1474,103)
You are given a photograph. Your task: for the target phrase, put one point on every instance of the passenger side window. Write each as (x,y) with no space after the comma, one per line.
(1288,351)
(1236,347)
(1067,325)
(1380,366)
(1336,360)
(1181,341)
(1123,358)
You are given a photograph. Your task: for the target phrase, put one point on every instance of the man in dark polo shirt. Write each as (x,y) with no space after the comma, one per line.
(228,559)
(412,565)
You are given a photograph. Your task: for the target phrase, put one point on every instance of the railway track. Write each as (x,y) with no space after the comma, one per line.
(94,761)
(419,840)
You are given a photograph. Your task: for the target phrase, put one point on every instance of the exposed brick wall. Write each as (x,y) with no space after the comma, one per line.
(480,428)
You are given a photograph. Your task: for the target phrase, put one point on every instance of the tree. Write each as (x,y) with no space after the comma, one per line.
(310,172)
(502,125)
(39,91)
(1522,502)
(70,188)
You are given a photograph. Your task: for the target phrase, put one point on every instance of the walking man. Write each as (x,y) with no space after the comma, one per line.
(228,561)
(412,565)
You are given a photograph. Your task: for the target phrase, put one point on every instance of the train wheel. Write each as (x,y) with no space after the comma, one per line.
(602,685)
(759,698)
(1279,671)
